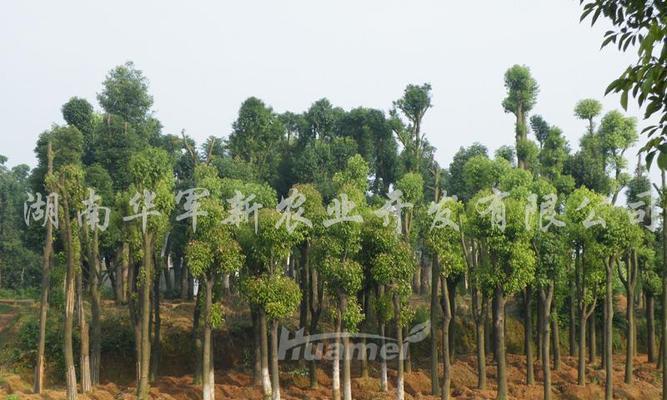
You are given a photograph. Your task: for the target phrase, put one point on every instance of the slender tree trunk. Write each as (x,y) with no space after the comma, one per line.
(146,294)
(384,385)
(592,351)
(500,343)
(650,326)
(257,364)
(556,337)
(347,368)
(208,391)
(527,335)
(446,318)
(452,325)
(84,349)
(609,381)
(572,329)
(435,279)
(480,317)
(630,283)
(581,369)
(546,296)
(315,305)
(540,320)
(406,349)
(400,378)
(126,282)
(96,310)
(197,343)
(275,368)
(46,283)
(70,285)
(335,374)
(157,324)
(185,282)
(264,345)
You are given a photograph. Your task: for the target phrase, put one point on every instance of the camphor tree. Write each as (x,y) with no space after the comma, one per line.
(415,102)
(522,92)
(582,211)
(552,260)
(342,273)
(393,270)
(445,239)
(212,253)
(619,239)
(275,295)
(152,201)
(67,181)
(498,223)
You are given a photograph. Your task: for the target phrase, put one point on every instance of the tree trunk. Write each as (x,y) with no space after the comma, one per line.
(446,318)
(185,287)
(197,345)
(384,385)
(257,364)
(335,375)
(556,337)
(96,310)
(347,365)
(275,368)
(264,345)
(572,329)
(157,324)
(435,278)
(581,366)
(208,385)
(527,335)
(452,326)
(315,305)
(609,381)
(592,351)
(146,294)
(500,343)
(406,349)
(84,350)
(479,316)
(70,285)
(540,321)
(400,385)
(44,301)
(546,296)
(650,326)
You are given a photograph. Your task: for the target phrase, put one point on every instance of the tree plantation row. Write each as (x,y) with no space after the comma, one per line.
(337,218)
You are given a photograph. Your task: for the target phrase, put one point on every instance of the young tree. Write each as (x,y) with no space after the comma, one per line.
(275,295)
(393,270)
(47,260)
(415,102)
(498,222)
(152,201)
(582,211)
(214,254)
(445,239)
(67,181)
(522,92)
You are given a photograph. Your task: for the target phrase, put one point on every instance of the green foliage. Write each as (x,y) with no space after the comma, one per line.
(125,93)
(540,128)
(278,295)
(79,113)
(588,109)
(521,88)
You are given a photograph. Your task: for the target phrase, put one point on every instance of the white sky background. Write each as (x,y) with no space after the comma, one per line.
(204,59)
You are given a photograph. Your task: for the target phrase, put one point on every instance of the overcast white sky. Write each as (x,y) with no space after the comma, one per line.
(204,59)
